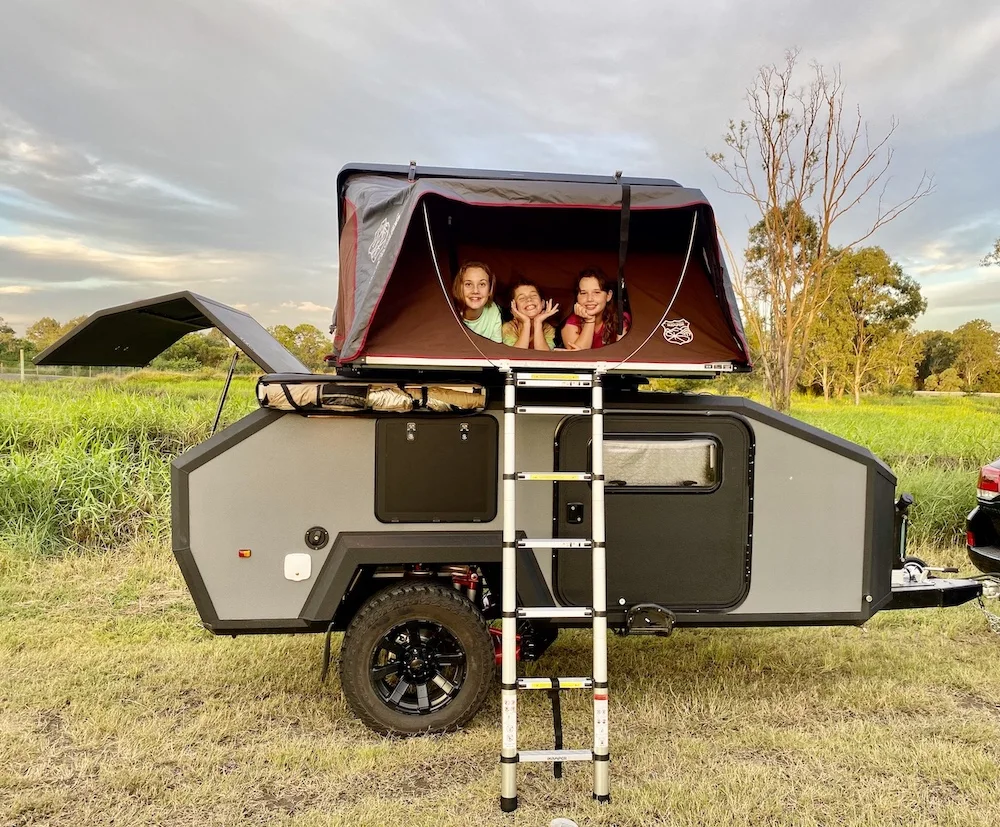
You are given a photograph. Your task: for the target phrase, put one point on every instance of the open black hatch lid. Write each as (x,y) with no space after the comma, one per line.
(134,334)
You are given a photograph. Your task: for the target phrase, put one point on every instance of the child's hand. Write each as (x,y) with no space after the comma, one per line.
(517,313)
(548,309)
(582,313)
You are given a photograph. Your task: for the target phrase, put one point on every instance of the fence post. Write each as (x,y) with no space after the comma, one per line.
(22,364)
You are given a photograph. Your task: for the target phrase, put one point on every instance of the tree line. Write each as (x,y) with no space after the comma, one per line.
(824,309)
(864,343)
(195,351)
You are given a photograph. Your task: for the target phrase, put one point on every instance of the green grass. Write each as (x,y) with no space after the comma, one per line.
(85,464)
(934,446)
(116,708)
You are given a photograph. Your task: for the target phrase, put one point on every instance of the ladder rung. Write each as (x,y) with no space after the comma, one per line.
(566,410)
(555,755)
(555,542)
(555,612)
(555,476)
(546,683)
(554,380)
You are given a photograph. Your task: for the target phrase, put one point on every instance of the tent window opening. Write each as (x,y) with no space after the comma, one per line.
(547,249)
(685,463)
(674,315)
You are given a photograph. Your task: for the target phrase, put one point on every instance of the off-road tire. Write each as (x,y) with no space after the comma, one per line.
(381,613)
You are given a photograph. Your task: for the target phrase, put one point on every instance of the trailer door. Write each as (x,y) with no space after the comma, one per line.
(679,495)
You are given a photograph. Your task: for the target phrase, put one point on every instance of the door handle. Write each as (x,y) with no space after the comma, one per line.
(574,513)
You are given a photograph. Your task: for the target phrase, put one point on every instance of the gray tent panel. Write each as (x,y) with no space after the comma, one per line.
(377,206)
(134,334)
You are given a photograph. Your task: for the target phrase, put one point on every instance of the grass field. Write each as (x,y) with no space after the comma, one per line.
(116,708)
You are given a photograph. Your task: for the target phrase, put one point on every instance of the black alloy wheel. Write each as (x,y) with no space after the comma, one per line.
(418,667)
(417,658)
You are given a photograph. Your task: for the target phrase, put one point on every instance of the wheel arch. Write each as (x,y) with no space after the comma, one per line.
(347,579)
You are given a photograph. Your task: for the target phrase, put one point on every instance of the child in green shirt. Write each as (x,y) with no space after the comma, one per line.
(473,291)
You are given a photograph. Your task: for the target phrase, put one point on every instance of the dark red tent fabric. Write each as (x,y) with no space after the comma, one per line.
(394,303)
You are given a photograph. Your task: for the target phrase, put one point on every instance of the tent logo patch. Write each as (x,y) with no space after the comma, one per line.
(677,331)
(381,241)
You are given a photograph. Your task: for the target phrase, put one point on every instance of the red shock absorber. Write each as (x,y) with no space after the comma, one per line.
(497,645)
(467,579)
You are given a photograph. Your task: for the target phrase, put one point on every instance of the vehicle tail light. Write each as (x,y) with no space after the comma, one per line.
(970,539)
(989,483)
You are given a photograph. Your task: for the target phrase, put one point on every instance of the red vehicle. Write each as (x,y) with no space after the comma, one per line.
(983,524)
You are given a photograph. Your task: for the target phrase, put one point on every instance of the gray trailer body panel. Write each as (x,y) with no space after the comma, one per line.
(808,529)
(262,482)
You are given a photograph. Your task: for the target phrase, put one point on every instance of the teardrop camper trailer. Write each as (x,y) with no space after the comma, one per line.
(436,480)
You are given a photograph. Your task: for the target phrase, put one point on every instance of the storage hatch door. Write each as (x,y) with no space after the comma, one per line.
(134,334)
(678,494)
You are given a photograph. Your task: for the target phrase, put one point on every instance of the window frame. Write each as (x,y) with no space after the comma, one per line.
(663,438)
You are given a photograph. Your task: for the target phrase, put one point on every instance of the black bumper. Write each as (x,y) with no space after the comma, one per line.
(985,558)
(936,593)
(983,525)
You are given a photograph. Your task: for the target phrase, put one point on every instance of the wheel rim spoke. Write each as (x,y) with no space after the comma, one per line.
(423,702)
(413,629)
(450,658)
(380,673)
(399,691)
(395,648)
(445,685)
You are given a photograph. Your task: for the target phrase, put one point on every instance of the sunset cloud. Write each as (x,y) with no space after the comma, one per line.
(182,146)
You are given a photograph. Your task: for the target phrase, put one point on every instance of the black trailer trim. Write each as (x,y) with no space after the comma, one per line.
(261,627)
(196,585)
(935,594)
(352,550)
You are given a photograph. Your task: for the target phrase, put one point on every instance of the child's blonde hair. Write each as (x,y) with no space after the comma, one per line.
(456,285)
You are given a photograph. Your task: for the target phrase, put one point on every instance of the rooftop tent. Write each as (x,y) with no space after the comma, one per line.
(403,236)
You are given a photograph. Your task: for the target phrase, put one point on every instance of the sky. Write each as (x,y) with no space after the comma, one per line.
(155,146)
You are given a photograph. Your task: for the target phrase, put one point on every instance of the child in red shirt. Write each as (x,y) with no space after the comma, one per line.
(594,321)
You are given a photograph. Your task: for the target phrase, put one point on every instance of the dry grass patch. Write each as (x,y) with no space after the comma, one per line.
(117,708)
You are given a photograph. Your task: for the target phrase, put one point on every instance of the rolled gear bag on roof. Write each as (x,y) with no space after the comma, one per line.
(315,395)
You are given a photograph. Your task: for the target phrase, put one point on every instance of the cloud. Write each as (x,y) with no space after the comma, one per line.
(176,145)
(129,264)
(15,290)
(308,307)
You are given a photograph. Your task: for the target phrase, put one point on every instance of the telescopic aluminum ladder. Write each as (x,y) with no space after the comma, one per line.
(510,755)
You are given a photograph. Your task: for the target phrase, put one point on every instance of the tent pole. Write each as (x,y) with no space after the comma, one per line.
(225,392)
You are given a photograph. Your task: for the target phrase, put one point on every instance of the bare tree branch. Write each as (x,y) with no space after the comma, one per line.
(804,164)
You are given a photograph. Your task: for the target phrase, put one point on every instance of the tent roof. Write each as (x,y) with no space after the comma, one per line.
(378,205)
(401,171)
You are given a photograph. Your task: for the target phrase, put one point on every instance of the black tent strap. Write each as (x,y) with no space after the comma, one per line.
(623,252)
